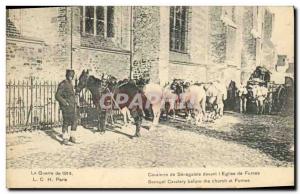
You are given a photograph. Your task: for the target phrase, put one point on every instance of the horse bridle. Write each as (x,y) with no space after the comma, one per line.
(85,84)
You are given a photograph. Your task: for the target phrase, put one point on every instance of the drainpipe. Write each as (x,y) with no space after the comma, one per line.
(71,32)
(131,42)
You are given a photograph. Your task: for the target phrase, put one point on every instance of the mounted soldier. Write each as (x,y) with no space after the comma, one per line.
(65,95)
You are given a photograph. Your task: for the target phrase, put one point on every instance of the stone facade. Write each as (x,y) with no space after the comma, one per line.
(192,64)
(258,48)
(146,39)
(222,43)
(268,51)
(36,49)
(39,45)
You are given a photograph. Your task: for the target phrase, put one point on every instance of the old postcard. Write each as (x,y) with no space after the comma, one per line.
(150,97)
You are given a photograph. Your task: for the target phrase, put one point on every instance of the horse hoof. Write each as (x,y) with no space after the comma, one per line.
(137,135)
(101,132)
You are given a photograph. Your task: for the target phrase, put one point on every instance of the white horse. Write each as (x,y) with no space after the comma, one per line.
(195,98)
(169,97)
(216,93)
(154,95)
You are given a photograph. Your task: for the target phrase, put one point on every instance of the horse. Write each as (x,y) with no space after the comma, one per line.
(170,98)
(154,95)
(132,101)
(97,87)
(175,94)
(105,97)
(124,111)
(193,99)
(216,94)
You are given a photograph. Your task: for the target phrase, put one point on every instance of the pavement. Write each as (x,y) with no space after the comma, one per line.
(235,140)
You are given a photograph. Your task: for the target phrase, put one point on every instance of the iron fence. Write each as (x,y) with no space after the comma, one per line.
(31,105)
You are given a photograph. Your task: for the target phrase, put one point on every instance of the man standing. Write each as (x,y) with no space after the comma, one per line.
(65,95)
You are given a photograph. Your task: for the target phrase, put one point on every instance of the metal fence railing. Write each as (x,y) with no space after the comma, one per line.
(31,105)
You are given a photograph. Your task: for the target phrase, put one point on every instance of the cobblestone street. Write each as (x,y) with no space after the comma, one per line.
(235,140)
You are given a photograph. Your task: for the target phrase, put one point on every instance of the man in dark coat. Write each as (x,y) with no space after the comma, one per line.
(65,95)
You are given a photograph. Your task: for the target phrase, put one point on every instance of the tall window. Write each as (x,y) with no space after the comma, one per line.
(178,28)
(230,45)
(97,21)
(100,21)
(110,21)
(229,19)
(89,20)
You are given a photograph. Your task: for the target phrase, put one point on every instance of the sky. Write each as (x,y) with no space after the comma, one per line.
(283,32)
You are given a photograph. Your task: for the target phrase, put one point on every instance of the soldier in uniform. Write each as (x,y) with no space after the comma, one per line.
(65,95)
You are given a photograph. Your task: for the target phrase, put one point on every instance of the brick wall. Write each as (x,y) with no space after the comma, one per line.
(35,47)
(187,71)
(146,37)
(232,74)
(23,58)
(199,35)
(248,58)
(102,54)
(13,22)
(192,65)
(45,47)
(249,42)
(121,40)
(103,61)
(268,24)
(217,36)
(268,51)
(164,45)
(39,45)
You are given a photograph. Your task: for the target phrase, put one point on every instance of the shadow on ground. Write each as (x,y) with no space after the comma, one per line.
(253,135)
(52,134)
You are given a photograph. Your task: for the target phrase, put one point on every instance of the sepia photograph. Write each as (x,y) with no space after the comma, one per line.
(150,96)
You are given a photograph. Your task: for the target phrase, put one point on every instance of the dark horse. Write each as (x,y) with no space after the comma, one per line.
(107,94)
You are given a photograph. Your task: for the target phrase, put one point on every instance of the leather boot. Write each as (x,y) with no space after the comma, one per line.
(73,137)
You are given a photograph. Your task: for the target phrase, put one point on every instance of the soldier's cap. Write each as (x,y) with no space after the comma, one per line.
(70,72)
